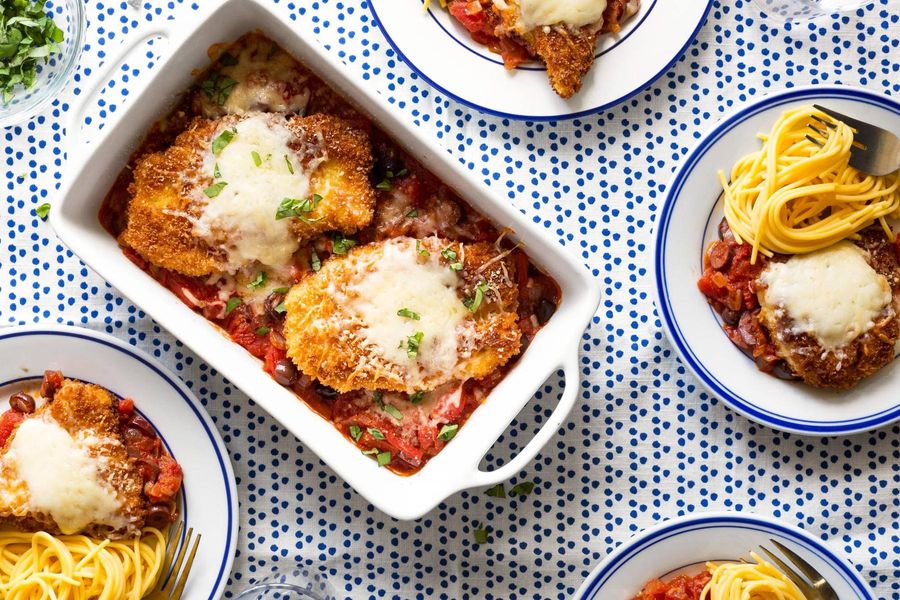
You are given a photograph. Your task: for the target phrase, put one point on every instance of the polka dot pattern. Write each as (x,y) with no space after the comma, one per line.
(643,444)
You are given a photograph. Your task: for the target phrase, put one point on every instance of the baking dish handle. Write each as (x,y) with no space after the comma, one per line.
(115,56)
(559,414)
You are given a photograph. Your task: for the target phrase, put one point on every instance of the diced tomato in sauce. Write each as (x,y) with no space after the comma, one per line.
(8,423)
(481,25)
(683,587)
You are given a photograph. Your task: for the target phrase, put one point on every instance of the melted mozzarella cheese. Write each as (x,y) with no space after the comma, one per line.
(62,477)
(833,295)
(575,13)
(241,218)
(404,279)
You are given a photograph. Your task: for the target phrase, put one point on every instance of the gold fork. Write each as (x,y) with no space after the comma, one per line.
(172,578)
(811,582)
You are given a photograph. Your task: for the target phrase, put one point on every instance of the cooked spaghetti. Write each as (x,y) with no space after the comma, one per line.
(40,566)
(798,194)
(749,581)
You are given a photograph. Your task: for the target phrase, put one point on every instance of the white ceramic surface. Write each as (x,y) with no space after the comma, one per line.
(683,545)
(689,221)
(442,52)
(456,467)
(209,495)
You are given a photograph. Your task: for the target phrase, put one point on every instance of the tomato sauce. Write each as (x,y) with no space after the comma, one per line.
(481,25)
(410,201)
(729,283)
(683,587)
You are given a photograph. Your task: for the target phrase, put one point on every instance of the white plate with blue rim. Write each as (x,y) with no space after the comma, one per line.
(209,500)
(689,221)
(682,546)
(434,45)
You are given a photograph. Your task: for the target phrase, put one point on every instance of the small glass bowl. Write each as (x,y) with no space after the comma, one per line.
(797,11)
(53,75)
(299,584)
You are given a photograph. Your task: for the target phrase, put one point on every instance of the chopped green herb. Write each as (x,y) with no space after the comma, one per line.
(405,312)
(456,266)
(413,342)
(280,308)
(215,189)
(497,491)
(258,282)
(27,34)
(378,397)
(448,254)
(355,432)
(370,451)
(393,411)
(417,397)
(281,290)
(222,140)
(218,87)
(522,489)
(227,60)
(257,160)
(481,536)
(384,186)
(412,214)
(375,433)
(421,250)
(383,458)
(448,432)
(402,172)
(43,210)
(341,244)
(289,165)
(217,174)
(475,301)
(263,330)
(314,261)
(232,304)
(299,208)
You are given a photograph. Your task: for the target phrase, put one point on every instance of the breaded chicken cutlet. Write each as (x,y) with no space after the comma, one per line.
(858,356)
(405,315)
(567,50)
(248,189)
(65,468)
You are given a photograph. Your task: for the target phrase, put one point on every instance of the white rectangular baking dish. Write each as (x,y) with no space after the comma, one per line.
(93,167)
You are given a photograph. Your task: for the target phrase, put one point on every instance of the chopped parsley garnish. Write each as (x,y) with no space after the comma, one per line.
(258,282)
(299,208)
(217,174)
(498,491)
(385,184)
(522,489)
(215,189)
(417,397)
(412,344)
(375,433)
(405,312)
(218,87)
(289,165)
(370,451)
(421,250)
(412,214)
(378,396)
(475,301)
(222,140)
(27,34)
(393,411)
(448,254)
(480,535)
(43,210)
(227,60)
(383,458)
(280,308)
(281,290)
(456,266)
(448,432)
(341,244)
(314,261)
(263,330)
(257,159)
(232,304)
(355,432)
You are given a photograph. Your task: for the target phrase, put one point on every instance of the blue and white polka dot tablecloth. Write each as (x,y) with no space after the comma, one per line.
(643,444)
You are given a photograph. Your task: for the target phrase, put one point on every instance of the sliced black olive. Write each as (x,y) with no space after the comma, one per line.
(325,391)
(285,372)
(22,402)
(545,309)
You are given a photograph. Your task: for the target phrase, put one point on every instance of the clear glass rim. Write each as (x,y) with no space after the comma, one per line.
(289,587)
(66,73)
